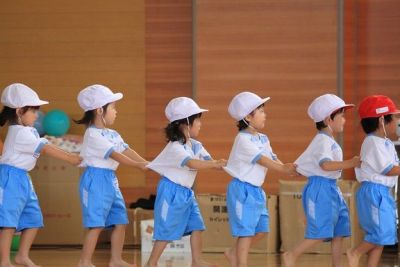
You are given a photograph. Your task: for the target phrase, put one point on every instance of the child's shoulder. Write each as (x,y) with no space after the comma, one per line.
(246,136)
(20,130)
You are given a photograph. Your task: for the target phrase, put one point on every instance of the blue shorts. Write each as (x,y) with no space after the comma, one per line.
(376,210)
(326,210)
(176,212)
(19,205)
(101,200)
(247,209)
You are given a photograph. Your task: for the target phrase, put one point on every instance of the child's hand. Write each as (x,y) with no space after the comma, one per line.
(74,159)
(290,169)
(220,163)
(356,162)
(142,165)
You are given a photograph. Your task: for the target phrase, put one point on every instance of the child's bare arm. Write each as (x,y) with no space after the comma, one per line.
(341,165)
(56,152)
(395,171)
(121,158)
(132,154)
(206,164)
(287,168)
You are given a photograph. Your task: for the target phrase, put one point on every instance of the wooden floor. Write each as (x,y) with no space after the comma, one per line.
(67,257)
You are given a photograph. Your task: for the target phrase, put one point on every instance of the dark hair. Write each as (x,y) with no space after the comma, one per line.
(10,114)
(321,124)
(243,124)
(88,116)
(173,131)
(370,125)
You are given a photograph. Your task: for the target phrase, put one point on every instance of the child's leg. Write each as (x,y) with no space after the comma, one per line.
(196,245)
(290,257)
(156,252)
(117,244)
(374,256)
(242,250)
(27,237)
(89,245)
(230,253)
(6,236)
(337,251)
(353,255)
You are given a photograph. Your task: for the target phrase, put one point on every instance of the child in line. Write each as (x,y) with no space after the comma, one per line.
(250,158)
(176,212)
(19,205)
(322,162)
(103,149)
(378,173)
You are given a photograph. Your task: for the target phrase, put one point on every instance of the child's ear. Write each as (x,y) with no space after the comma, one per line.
(19,112)
(248,117)
(99,111)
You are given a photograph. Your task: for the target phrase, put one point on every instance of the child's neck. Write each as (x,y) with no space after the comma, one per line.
(327,131)
(251,130)
(380,133)
(98,123)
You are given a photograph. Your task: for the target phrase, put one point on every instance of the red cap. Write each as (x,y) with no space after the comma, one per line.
(376,106)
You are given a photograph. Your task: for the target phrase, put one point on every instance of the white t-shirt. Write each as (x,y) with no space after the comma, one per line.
(22,147)
(322,148)
(171,162)
(378,157)
(246,151)
(98,145)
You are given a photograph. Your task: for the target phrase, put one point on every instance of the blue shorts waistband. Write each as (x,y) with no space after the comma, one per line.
(322,179)
(246,183)
(381,186)
(98,169)
(167,180)
(2,165)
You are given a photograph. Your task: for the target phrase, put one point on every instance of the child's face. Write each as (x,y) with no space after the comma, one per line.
(257,120)
(29,117)
(111,114)
(391,127)
(195,128)
(337,124)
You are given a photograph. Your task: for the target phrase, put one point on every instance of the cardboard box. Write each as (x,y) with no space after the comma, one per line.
(147,229)
(293,221)
(215,215)
(132,234)
(57,183)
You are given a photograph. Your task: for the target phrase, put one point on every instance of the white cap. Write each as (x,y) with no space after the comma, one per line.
(18,95)
(325,105)
(181,108)
(95,96)
(244,103)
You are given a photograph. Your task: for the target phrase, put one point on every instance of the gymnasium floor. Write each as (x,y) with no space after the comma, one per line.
(67,257)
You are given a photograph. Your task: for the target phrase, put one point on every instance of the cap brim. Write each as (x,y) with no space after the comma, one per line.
(38,103)
(117,96)
(265,100)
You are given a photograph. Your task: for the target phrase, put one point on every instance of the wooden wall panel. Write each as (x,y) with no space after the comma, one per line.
(58,48)
(372,58)
(282,49)
(168,68)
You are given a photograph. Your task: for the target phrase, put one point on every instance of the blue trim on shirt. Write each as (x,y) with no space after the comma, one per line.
(109,152)
(40,147)
(387,169)
(185,161)
(324,160)
(256,158)
(207,158)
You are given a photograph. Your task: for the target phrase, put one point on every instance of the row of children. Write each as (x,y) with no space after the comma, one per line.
(176,209)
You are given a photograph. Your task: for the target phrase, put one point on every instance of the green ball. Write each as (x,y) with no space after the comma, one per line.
(15,242)
(56,123)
